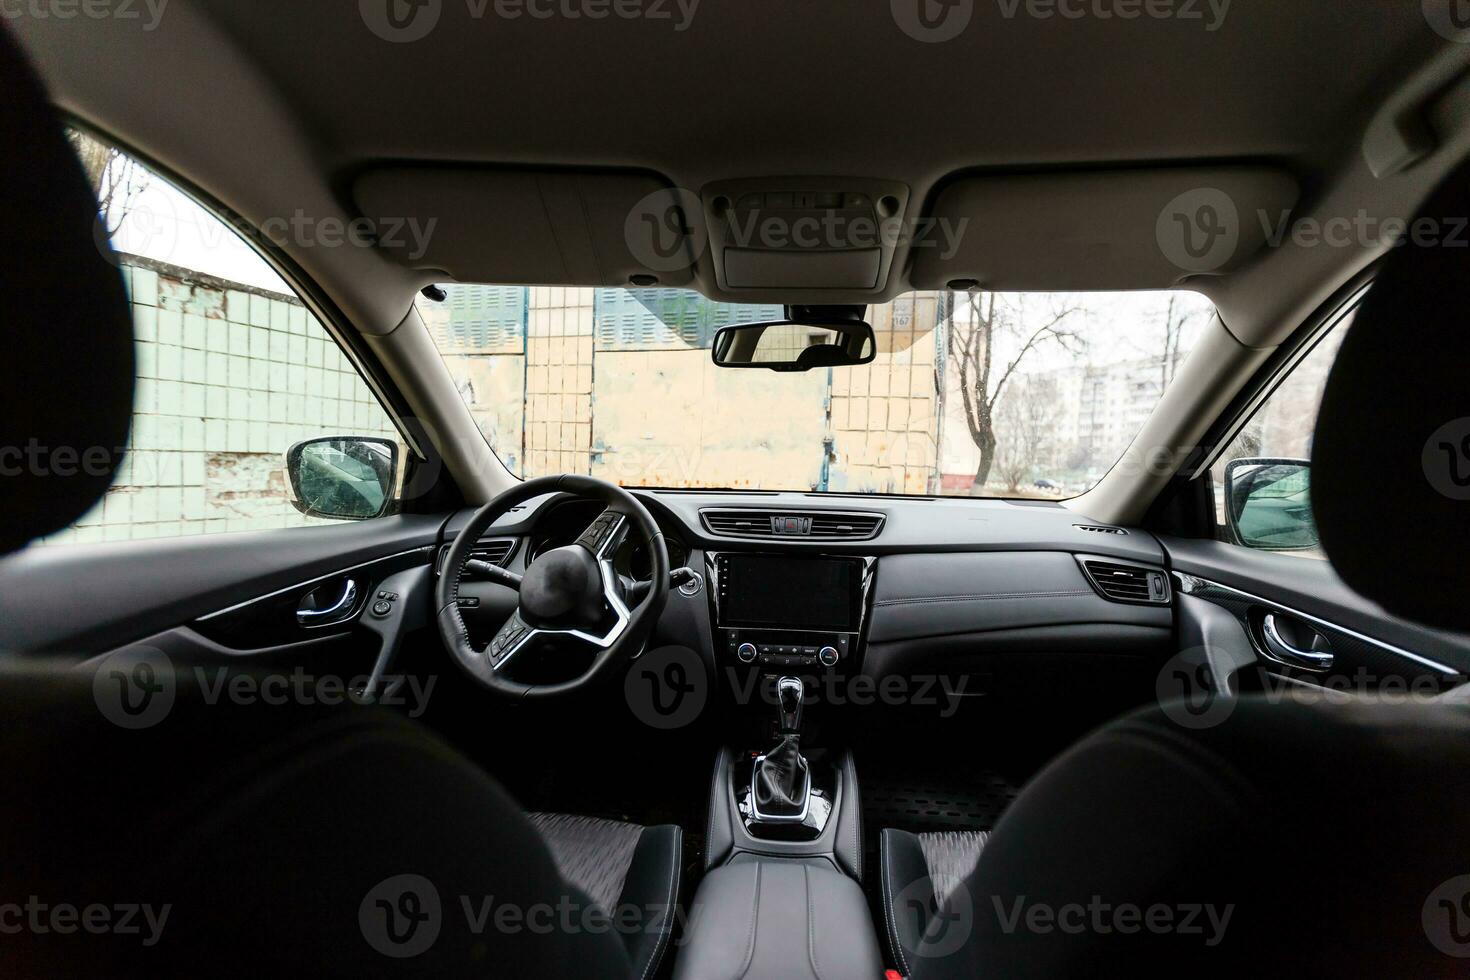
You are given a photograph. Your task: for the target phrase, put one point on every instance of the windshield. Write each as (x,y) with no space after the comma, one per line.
(971,394)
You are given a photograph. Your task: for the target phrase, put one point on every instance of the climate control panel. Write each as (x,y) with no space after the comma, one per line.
(788,650)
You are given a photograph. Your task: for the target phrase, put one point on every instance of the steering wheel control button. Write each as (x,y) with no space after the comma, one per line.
(469,602)
(746,653)
(829,656)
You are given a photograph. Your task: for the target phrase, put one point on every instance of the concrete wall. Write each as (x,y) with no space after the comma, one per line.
(229,377)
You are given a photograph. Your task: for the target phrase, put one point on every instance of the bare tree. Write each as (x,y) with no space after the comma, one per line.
(115,178)
(1026,420)
(1176,318)
(971,343)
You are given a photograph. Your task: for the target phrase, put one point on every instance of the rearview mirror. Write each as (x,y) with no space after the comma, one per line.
(343,478)
(1268,503)
(794,345)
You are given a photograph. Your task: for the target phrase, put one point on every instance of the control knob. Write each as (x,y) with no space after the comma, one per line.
(828,656)
(746,653)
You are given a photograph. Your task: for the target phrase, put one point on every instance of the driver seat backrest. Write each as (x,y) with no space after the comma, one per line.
(261,840)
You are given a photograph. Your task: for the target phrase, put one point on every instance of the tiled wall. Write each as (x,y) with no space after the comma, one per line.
(229,377)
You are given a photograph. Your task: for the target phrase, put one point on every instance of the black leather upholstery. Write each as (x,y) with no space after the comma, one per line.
(68,395)
(1391,454)
(919,873)
(787,918)
(1305,840)
(627,870)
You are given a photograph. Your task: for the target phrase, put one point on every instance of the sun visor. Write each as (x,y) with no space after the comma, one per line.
(1133,229)
(539,227)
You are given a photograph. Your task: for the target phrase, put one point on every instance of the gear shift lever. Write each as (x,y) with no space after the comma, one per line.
(789,694)
(782,782)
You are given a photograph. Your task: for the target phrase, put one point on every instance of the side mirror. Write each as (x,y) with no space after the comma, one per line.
(343,478)
(794,345)
(1268,504)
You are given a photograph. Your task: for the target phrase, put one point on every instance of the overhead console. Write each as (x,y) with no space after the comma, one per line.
(806,233)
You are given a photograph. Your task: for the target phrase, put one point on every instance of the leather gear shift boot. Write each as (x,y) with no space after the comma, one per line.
(782,780)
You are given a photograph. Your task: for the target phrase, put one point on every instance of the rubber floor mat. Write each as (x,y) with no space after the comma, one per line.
(963,801)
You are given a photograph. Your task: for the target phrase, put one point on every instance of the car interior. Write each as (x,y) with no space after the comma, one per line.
(502,489)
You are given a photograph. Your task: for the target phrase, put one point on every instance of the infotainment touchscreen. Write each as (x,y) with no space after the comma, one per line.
(791,593)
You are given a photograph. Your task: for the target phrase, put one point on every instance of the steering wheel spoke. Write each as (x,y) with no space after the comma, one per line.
(604,533)
(511,639)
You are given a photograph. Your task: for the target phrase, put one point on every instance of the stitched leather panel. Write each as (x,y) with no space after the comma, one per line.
(951,858)
(591,853)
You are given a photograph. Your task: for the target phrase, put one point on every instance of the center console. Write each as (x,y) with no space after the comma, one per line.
(782,896)
(782,612)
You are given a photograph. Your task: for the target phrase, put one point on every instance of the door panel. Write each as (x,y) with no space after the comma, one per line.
(1302,623)
(244,589)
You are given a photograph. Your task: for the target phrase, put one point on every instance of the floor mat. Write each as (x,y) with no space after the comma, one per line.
(931,802)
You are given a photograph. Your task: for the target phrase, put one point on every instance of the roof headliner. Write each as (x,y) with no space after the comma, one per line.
(763,87)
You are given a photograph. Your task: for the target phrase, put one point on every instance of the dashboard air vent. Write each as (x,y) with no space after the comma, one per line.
(846,526)
(828,525)
(496,551)
(1099,529)
(1126,582)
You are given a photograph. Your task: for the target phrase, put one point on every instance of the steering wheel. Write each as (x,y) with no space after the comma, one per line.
(572,591)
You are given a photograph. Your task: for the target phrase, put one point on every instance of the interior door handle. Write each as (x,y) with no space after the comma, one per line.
(322,617)
(1317,657)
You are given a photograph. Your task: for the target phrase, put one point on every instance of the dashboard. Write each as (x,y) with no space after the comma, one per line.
(883,586)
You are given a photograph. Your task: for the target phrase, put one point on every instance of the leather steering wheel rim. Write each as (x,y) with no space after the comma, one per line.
(630,636)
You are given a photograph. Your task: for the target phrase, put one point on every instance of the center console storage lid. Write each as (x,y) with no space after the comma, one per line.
(794,919)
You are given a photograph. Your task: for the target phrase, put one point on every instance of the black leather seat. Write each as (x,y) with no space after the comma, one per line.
(1291,839)
(245,841)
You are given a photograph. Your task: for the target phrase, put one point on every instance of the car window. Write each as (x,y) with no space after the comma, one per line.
(971,393)
(232,369)
(1262,481)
